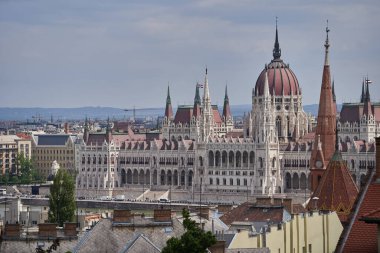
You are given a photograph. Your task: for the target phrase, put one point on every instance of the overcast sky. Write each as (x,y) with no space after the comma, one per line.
(124,53)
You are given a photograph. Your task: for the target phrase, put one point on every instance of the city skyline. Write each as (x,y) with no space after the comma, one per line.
(124,54)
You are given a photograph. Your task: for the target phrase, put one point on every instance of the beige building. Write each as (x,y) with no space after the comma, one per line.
(48,148)
(10,146)
(304,233)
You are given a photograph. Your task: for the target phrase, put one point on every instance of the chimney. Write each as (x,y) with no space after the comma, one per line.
(377,159)
(47,230)
(205,212)
(288,205)
(66,128)
(70,229)
(122,216)
(265,201)
(12,230)
(162,215)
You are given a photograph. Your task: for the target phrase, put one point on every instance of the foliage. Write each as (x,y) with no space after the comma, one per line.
(26,172)
(194,240)
(62,198)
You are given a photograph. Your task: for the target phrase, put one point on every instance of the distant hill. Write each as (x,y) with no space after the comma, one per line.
(31,114)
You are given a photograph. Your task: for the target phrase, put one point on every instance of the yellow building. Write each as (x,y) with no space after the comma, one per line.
(10,146)
(304,233)
(48,148)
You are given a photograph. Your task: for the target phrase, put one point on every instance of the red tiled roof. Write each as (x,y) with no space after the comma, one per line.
(253,213)
(363,236)
(217,118)
(337,190)
(24,136)
(183,115)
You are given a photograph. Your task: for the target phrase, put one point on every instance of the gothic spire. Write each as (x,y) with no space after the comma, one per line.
(367,95)
(226,106)
(108,131)
(362,97)
(276,49)
(197,102)
(168,107)
(327,45)
(197,98)
(168,100)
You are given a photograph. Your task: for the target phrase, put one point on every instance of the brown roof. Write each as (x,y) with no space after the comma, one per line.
(183,115)
(254,213)
(363,236)
(337,190)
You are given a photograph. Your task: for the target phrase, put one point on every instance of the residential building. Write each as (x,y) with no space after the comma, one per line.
(10,147)
(50,148)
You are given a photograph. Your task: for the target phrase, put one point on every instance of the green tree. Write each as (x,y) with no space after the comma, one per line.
(194,240)
(62,198)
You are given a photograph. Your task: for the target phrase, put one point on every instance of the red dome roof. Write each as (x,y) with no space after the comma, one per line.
(281,79)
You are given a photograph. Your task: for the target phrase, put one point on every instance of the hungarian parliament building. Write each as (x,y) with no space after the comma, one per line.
(199,147)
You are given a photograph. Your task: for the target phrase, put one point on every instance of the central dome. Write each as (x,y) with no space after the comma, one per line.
(281,79)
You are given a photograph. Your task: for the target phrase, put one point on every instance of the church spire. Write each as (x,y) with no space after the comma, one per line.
(362,95)
(197,102)
(326,125)
(327,45)
(168,107)
(226,106)
(276,49)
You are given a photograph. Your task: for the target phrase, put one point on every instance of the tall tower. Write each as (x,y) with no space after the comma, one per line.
(324,141)
(197,103)
(207,114)
(168,107)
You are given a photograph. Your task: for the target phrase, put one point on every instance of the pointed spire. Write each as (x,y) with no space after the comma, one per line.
(168,99)
(367,95)
(266,85)
(197,102)
(327,45)
(362,97)
(197,98)
(276,49)
(226,106)
(168,107)
(333,92)
(206,94)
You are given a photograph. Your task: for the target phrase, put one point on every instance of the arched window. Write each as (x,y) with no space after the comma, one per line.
(278,126)
(274,162)
(210,158)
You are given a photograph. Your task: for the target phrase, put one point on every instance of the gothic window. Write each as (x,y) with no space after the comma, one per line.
(261,162)
(94,160)
(238,159)
(224,181)
(231,158)
(105,159)
(83,159)
(211,159)
(238,181)
(217,181)
(200,161)
(288,125)
(100,159)
(217,159)
(278,126)
(231,181)
(211,181)
(274,162)
(352,164)
(245,159)
(252,157)
(88,159)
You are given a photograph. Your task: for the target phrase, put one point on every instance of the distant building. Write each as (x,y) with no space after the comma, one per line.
(10,146)
(48,148)
(276,152)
